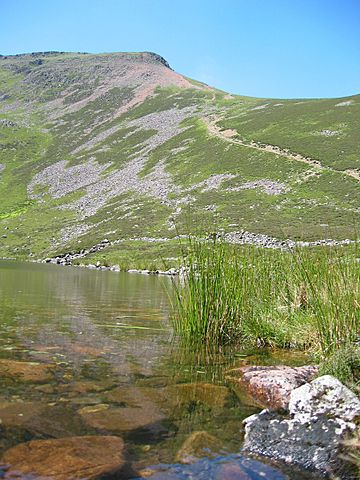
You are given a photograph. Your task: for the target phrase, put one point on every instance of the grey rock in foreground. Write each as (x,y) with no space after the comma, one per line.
(322,414)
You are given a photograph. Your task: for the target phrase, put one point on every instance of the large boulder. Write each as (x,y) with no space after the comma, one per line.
(271,386)
(85,458)
(321,415)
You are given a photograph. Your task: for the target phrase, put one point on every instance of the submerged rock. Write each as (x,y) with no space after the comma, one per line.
(232,467)
(26,371)
(272,386)
(20,414)
(86,350)
(85,458)
(124,419)
(134,396)
(87,386)
(213,396)
(197,445)
(322,414)
(173,398)
(132,408)
(39,419)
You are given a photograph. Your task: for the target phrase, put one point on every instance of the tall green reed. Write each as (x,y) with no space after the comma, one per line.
(306,298)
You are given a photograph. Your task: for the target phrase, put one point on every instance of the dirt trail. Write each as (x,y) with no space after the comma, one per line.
(353,173)
(228,136)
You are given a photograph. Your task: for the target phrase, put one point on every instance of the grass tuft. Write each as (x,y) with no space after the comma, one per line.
(344,364)
(306,298)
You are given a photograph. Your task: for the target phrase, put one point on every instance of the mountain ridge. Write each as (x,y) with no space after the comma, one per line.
(163,61)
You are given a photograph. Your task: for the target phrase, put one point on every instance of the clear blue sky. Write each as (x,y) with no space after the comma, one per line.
(265,48)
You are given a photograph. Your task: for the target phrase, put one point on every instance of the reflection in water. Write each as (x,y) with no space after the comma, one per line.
(86,312)
(104,361)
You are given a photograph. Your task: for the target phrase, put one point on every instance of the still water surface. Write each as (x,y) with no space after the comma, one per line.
(115,366)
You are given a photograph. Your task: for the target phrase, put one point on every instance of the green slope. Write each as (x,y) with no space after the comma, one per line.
(119,146)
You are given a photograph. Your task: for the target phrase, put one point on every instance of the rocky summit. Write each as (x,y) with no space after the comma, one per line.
(121,147)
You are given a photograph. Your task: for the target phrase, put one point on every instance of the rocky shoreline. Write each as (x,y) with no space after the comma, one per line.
(240,238)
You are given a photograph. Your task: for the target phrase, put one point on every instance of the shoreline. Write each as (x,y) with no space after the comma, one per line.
(241,237)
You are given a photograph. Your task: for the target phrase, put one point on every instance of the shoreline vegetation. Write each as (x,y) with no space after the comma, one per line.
(303,299)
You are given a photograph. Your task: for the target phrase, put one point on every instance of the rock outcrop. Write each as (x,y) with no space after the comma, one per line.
(321,415)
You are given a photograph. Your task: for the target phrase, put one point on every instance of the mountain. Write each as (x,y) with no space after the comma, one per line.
(119,146)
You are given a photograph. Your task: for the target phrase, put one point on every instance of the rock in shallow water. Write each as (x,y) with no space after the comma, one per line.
(26,371)
(39,419)
(85,458)
(18,414)
(272,386)
(214,396)
(197,445)
(322,414)
(232,467)
(124,419)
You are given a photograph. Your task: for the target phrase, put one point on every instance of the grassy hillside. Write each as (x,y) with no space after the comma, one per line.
(119,146)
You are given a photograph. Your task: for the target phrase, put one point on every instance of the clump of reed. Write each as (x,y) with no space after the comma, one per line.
(304,298)
(344,364)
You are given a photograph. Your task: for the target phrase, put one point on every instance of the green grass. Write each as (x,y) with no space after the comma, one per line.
(344,364)
(303,299)
(296,125)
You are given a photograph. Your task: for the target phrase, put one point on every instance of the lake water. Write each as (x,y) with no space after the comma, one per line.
(102,359)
